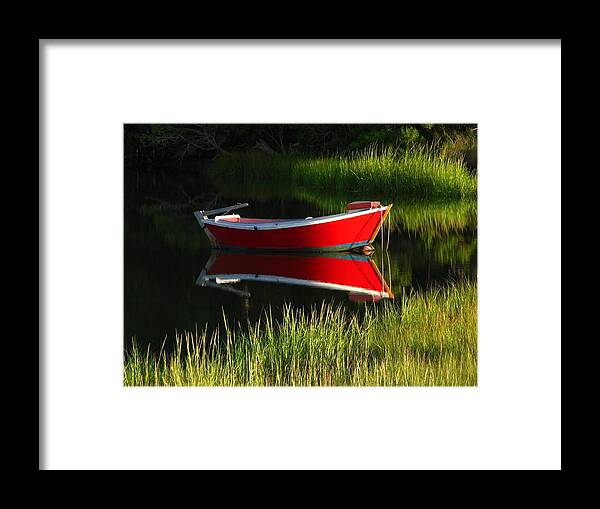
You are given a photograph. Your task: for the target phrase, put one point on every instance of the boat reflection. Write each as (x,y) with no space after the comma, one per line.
(352,273)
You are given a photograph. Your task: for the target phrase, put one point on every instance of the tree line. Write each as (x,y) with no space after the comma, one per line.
(154,144)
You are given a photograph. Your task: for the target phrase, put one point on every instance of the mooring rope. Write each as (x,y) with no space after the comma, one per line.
(382,254)
(387,245)
(387,255)
(384,251)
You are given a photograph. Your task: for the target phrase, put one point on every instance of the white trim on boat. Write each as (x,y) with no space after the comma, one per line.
(290,223)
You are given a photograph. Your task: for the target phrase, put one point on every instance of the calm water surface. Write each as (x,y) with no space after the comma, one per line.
(166,257)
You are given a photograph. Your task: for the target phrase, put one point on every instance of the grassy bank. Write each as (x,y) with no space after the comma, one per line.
(430,340)
(417,172)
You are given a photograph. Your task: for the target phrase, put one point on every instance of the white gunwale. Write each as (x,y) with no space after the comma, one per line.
(290,223)
(290,281)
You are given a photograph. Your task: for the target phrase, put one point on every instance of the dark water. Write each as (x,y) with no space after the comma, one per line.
(166,252)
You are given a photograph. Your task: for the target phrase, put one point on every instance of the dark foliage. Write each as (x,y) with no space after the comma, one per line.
(151,145)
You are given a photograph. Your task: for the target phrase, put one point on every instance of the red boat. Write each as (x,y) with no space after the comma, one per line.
(356,274)
(355,228)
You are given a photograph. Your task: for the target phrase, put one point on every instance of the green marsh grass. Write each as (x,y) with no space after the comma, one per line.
(462,147)
(416,172)
(430,340)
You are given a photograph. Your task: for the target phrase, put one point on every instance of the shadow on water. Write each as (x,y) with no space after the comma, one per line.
(174,282)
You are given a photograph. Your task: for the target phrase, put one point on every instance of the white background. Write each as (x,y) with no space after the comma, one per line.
(511,420)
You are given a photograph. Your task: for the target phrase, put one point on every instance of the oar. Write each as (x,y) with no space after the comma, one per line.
(202,280)
(224,210)
(231,289)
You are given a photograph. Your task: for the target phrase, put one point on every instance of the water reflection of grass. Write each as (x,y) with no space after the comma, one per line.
(406,263)
(177,234)
(452,249)
(433,218)
(433,341)
(416,172)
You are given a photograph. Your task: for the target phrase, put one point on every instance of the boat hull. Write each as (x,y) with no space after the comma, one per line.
(344,232)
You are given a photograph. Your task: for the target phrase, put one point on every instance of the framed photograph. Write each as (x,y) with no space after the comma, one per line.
(300,254)
(285,261)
